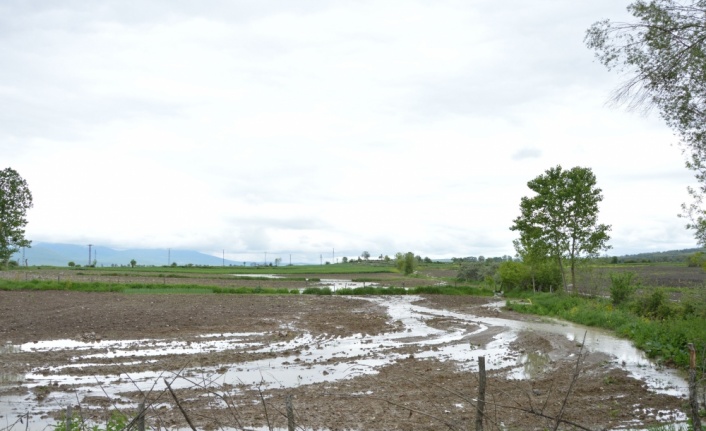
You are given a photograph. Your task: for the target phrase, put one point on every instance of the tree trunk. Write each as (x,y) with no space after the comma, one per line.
(693,390)
(563,276)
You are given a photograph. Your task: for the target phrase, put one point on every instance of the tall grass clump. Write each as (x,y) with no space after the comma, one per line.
(318,291)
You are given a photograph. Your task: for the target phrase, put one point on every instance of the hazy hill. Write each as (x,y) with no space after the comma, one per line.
(61,254)
(661,256)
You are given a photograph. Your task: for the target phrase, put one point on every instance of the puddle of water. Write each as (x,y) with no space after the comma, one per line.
(5,376)
(309,360)
(267,276)
(532,365)
(8,348)
(336,284)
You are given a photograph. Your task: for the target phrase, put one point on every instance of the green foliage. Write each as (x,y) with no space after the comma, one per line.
(664,55)
(696,260)
(561,219)
(476,271)
(15,200)
(621,287)
(515,275)
(663,337)
(116,422)
(654,305)
(405,263)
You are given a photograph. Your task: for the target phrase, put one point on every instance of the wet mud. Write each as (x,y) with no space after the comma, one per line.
(370,363)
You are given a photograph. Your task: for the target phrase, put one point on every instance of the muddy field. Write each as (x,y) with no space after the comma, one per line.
(329,353)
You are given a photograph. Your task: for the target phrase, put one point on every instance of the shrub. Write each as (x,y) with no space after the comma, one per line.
(696,260)
(621,287)
(514,275)
(654,306)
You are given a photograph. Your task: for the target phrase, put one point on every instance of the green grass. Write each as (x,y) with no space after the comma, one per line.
(161,288)
(61,285)
(340,268)
(665,339)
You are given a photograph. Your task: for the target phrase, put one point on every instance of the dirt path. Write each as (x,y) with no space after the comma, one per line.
(410,393)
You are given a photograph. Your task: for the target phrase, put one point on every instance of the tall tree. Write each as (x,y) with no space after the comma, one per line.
(15,200)
(663,52)
(405,262)
(561,219)
(532,250)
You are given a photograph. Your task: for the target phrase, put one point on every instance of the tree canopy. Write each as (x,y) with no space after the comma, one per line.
(15,200)
(405,262)
(561,219)
(663,53)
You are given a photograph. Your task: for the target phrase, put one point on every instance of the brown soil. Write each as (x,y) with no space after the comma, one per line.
(412,394)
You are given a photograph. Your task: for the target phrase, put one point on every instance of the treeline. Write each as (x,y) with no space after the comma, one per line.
(660,256)
(512,275)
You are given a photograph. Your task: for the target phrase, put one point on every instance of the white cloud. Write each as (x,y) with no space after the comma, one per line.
(299,127)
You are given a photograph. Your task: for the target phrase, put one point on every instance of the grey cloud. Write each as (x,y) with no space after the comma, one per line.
(527,153)
(255,239)
(293,223)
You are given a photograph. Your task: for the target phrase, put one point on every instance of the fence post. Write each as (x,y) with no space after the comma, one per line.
(69,413)
(693,388)
(290,414)
(480,403)
(141,416)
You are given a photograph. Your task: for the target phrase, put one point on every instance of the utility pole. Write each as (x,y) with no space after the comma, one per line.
(89,254)
(224,257)
(169,256)
(265,258)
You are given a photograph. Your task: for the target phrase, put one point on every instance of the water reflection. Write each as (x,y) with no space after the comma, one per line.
(532,365)
(308,359)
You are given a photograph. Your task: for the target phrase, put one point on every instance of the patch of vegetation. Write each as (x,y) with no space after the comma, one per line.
(657,326)
(116,422)
(318,291)
(60,285)
(622,287)
(254,290)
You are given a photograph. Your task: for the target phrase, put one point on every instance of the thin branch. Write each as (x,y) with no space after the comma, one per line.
(176,400)
(573,381)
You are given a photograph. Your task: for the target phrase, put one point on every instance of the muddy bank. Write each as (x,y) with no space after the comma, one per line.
(348,363)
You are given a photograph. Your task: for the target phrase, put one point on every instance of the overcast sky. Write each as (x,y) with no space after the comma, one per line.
(304,127)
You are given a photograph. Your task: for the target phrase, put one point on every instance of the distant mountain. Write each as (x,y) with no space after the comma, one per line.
(53,254)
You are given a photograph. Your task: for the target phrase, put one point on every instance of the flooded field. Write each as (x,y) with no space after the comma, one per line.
(403,362)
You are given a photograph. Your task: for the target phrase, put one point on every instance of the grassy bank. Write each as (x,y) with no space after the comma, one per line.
(659,327)
(106,286)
